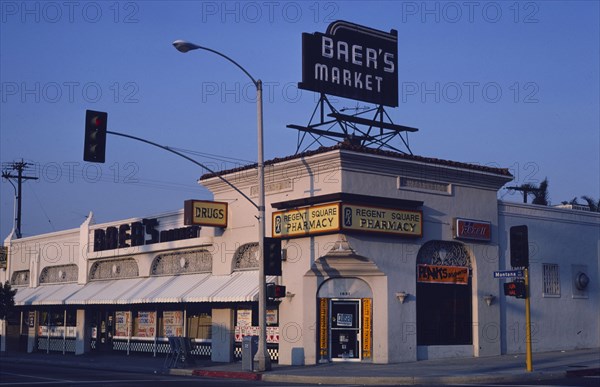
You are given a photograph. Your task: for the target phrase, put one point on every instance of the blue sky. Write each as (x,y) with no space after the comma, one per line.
(508,84)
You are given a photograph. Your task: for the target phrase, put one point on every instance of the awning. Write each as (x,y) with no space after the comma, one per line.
(58,297)
(241,286)
(104,292)
(237,287)
(54,294)
(163,289)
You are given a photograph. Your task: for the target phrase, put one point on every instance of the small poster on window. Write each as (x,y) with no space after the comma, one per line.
(244,317)
(173,323)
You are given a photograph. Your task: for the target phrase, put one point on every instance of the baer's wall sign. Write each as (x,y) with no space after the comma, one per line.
(139,233)
(352,61)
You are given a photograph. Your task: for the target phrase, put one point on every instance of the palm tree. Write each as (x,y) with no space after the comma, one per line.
(592,203)
(573,202)
(539,192)
(540,196)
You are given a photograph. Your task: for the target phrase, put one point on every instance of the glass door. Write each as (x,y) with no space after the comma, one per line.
(345,330)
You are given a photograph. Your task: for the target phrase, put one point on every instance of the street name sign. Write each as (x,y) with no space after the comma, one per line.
(509,274)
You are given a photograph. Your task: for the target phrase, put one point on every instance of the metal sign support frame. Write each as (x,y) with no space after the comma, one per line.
(349,128)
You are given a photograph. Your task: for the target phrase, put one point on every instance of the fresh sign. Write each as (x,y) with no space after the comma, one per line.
(472,229)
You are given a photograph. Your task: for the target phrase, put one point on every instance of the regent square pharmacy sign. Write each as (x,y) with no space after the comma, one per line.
(352,61)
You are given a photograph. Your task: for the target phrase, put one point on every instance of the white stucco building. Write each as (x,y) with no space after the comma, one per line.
(387,258)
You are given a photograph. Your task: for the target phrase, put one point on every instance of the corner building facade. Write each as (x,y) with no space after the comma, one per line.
(386,258)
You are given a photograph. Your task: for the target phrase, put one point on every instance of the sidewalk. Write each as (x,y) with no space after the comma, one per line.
(507,368)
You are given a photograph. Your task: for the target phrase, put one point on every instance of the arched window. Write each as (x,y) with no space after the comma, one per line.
(20,278)
(115,268)
(444,308)
(58,274)
(192,261)
(246,257)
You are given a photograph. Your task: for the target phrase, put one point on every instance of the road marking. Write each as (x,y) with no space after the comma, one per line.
(36,377)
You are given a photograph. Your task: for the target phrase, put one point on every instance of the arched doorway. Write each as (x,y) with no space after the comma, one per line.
(345,320)
(444,294)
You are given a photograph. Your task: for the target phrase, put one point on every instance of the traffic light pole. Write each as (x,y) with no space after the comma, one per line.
(529,360)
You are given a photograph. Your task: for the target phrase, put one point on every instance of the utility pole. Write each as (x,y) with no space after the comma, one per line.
(19,167)
(526,189)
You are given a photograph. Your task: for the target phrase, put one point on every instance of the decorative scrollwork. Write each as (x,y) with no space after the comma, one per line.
(192,261)
(444,253)
(20,278)
(116,268)
(59,274)
(246,257)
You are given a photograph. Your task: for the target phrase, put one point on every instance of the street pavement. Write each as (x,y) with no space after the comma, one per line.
(496,369)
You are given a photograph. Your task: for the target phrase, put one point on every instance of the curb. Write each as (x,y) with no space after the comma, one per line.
(583,372)
(411,380)
(228,374)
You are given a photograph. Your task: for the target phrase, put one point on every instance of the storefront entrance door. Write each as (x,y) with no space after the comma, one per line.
(345,329)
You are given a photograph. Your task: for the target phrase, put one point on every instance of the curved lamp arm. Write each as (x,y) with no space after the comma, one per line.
(183,46)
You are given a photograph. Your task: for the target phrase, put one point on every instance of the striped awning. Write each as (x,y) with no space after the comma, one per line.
(54,294)
(240,286)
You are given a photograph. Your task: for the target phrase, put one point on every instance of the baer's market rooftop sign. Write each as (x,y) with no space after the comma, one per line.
(352,61)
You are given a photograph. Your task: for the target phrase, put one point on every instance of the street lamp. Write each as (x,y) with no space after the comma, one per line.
(262,360)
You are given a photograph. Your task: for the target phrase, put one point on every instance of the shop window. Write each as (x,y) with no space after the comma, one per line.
(444,314)
(53,323)
(199,326)
(444,307)
(551,280)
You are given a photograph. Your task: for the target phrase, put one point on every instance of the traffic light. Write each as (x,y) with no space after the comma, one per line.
(515,289)
(94,145)
(272,256)
(519,246)
(275,291)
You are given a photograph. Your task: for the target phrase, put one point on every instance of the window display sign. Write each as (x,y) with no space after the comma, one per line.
(443,274)
(272,317)
(122,323)
(244,317)
(272,333)
(382,220)
(366,328)
(173,323)
(146,324)
(352,61)
(323,327)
